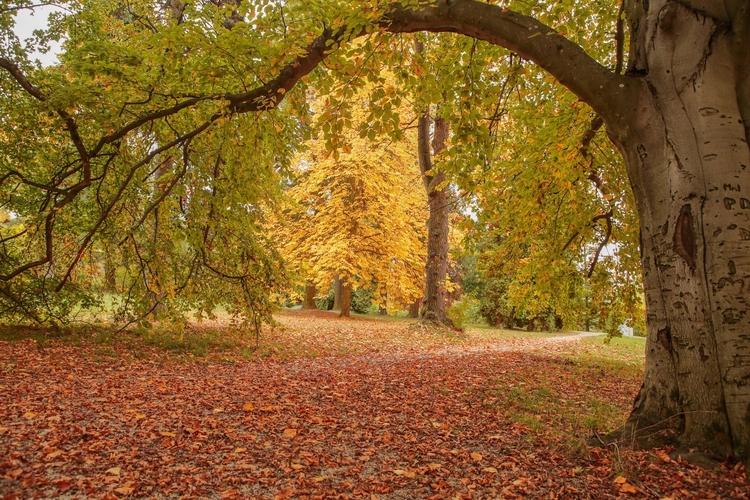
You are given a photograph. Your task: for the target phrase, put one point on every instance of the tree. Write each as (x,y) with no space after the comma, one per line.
(436,187)
(679,116)
(555,225)
(358,212)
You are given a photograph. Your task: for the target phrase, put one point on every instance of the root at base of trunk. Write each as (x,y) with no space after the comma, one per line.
(430,323)
(637,434)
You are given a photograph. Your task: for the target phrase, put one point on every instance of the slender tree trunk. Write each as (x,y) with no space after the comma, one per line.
(414,308)
(309,302)
(346,299)
(336,293)
(433,307)
(110,273)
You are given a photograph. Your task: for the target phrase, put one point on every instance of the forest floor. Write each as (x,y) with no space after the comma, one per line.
(323,407)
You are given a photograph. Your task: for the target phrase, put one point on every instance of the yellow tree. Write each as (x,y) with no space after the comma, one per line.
(359,212)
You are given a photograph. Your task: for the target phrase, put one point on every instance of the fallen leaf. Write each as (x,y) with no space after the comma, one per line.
(434,466)
(628,488)
(248,407)
(3,430)
(476,456)
(126,489)
(54,454)
(115,471)
(490,469)
(218,410)
(297,466)
(139,416)
(620,480)
(290,433)
(167,434)
(29,415)
(240,450)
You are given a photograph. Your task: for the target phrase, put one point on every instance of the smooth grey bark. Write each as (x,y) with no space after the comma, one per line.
(436,266)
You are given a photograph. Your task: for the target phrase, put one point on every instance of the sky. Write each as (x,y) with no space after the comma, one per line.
(26,23)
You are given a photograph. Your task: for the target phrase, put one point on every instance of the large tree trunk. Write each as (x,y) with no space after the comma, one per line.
(346,299)
(433,306)
(309,301)
(685,146)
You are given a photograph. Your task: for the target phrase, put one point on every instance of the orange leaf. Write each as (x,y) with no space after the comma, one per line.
(248,407)
(476,456)
(628,488)
(290,433)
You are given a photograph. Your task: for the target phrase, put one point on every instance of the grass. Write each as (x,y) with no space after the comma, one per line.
(576,395)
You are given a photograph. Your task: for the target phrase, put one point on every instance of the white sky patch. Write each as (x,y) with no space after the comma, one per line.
(27,21)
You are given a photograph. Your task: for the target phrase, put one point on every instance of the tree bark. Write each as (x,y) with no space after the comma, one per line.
(336,293)
(414,308)
(436,267)
(346,299)
(309,301)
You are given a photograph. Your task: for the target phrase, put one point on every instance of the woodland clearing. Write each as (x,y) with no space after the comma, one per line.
(329,408)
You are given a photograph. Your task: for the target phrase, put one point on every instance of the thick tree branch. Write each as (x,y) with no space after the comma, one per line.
(599,87)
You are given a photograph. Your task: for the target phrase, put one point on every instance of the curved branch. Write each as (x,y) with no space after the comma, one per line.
(594,84)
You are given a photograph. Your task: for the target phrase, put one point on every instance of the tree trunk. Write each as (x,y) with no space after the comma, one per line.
(433,307)
(309,302)
(346,299)
(336,293)
(414,308)
(685,147)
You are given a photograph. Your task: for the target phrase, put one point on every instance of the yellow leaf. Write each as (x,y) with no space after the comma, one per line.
(248,407)
(115,471)
(167,434)
(620,480)
(140,416)
(28,415)
(240,450)
(319,479)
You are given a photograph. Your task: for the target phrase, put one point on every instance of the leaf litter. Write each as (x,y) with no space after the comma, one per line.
(394,415)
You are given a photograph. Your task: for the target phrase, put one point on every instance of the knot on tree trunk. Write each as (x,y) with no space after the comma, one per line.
(667,17)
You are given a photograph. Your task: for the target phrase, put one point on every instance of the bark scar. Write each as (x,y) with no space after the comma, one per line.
(664,336)
(683,241)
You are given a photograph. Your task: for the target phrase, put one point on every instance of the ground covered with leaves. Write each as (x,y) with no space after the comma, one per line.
(328,408)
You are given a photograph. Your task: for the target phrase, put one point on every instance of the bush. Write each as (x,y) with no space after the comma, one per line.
(464,311)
